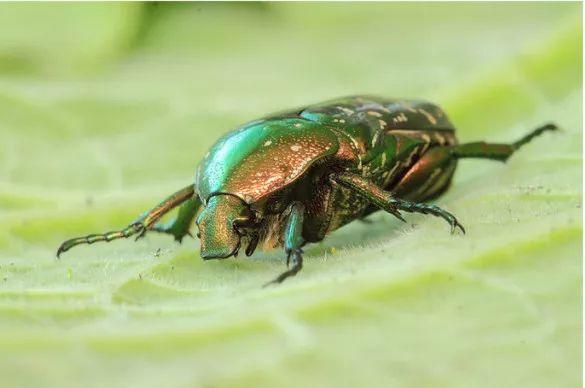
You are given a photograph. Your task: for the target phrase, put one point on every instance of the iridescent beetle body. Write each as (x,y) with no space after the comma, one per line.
(293,177)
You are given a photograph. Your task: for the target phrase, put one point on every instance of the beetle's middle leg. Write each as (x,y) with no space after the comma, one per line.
(389,202)
(140,226)
(293,242)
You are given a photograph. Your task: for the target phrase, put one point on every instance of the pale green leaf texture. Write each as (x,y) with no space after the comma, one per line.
(105,108)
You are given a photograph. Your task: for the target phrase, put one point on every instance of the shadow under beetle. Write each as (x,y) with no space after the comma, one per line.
(291,178)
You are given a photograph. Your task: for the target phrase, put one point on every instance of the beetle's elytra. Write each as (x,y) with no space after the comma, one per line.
(291,178)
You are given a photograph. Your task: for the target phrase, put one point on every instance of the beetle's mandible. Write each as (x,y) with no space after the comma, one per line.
(291,178)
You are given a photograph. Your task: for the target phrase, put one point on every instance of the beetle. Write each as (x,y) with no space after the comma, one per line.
(291,178)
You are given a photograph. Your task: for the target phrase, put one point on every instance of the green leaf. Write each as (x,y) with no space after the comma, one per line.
(60,38)
(377,304)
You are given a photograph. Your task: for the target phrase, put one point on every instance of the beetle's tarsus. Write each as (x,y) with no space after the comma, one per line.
(290,253)
(129,231)
(537,132)
(433,210)
(497,151)
(294,256)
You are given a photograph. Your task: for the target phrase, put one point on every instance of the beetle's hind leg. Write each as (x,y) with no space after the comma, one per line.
(430,176)
(138,227)
(497,151)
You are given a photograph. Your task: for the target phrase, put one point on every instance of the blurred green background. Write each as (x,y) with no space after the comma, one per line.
(107,107)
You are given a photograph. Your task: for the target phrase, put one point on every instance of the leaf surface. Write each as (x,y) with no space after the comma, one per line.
(377,304)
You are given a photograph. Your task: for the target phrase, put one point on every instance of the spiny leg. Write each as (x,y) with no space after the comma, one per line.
(414,207)
(293,241)
(386,200)
(140,226)
(497,151)
(179,227)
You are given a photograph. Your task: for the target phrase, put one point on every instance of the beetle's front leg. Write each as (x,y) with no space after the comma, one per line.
(385,200)
(293,241)
(180,226)
(138,227)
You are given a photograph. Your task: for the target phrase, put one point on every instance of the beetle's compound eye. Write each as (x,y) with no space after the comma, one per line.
(217,226)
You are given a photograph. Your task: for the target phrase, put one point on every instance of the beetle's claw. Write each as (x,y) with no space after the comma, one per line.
(399,216)
(67,245)
(455,224)
(62,248)
(396,213)
(461,227)
(297,265)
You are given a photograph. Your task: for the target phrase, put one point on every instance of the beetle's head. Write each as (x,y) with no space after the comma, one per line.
(221,225)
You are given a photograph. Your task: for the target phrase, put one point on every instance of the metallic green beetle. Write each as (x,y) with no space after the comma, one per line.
(291,178)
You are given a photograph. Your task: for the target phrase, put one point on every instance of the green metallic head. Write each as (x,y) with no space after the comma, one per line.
(220,224)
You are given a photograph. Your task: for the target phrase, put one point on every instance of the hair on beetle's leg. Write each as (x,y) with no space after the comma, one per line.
(497,151)
(180,226)
(293,241)
(386,201)
(138,227)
